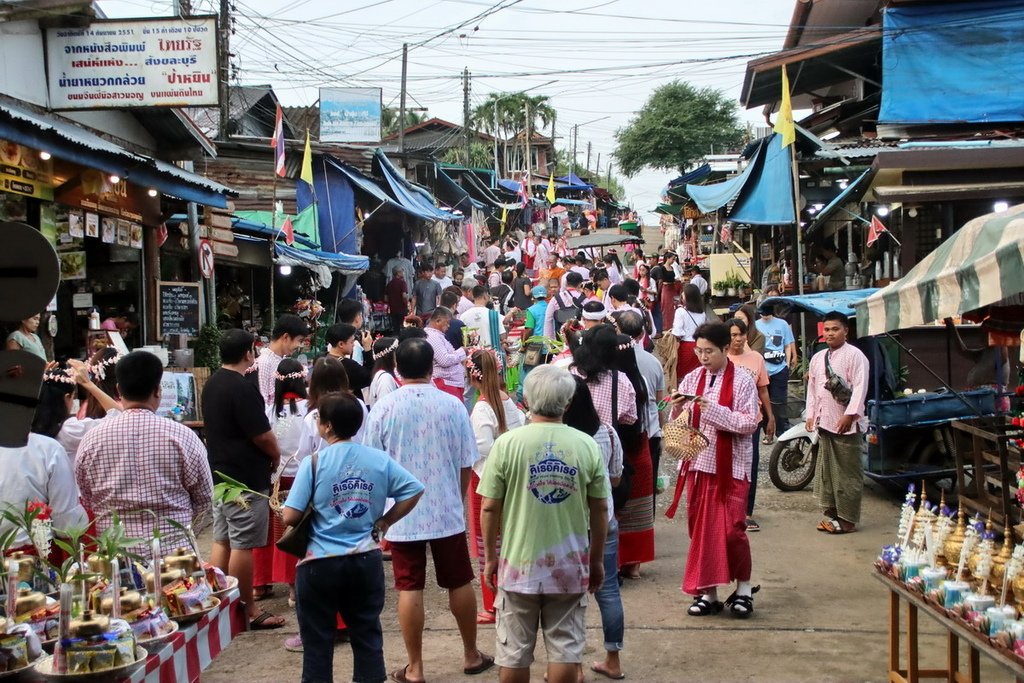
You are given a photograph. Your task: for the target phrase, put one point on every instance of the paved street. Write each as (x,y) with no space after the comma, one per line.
(820,614)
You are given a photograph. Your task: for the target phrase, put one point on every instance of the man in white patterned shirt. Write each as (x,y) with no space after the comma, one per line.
(138,461)
(449,373)
(290,332)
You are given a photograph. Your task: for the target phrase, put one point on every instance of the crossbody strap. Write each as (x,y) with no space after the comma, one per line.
(615,399)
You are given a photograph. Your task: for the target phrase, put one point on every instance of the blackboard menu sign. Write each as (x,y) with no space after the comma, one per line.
(179,308)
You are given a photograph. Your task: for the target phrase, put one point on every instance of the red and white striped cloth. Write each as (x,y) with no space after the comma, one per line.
(192,649)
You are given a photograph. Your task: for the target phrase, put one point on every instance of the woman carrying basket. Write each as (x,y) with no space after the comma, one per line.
(723,407)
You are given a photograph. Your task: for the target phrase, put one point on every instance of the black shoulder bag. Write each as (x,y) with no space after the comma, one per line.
(295,539)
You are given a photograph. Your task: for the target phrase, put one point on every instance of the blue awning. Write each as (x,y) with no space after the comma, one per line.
(510,185)
(71,142)
(691,177)
(709,198)
(766,198)
(825,302)
(416,199)
(853,192)
(572,202)
(346,264)
(573,179)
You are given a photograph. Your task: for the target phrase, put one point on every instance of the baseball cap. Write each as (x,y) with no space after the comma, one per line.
(539,292)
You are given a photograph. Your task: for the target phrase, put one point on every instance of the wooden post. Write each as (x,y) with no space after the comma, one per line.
(894,631)
(912,653)
(401,102)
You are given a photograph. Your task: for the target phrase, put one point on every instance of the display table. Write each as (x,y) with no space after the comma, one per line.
(191,650)
(977,644)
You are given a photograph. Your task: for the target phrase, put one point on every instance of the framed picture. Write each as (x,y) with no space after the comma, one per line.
(76,223)
(109,230)
(135,236)
(766,251)
(92,225)
(124,231)
(72,265)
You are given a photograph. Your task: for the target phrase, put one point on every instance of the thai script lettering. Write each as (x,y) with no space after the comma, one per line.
(87,63)
(171,61)
(127,79)
(552,467)
(175,78)
(104,47)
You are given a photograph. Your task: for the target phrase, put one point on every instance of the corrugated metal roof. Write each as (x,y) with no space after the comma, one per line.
(79,136)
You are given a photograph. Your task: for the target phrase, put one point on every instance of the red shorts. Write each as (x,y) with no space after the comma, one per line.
(451,563)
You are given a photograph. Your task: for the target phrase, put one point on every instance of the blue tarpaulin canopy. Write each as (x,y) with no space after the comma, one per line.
(416,199)
(852,193)
(953,63)
(763,190)
(825,302)
(343,263)
(691,177)
(574,180)
(572,202)
(767,196)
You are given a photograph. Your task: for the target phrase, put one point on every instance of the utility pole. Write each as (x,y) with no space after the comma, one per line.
(554,148)
(401,105)
(597,169)
(224,59)
(609,175)
(497,172)
(465,111)
(588,157)
(529,134)
(575,139)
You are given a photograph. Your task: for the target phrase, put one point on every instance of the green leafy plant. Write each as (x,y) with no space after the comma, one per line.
(207,347)
(721,285)
(70,541)
(114,542)
(233,491)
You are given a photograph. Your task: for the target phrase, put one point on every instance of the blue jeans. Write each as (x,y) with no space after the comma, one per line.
(353,586)
(609,601)
(778,392)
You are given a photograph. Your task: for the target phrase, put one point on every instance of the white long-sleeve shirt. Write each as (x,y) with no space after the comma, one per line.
(485,427)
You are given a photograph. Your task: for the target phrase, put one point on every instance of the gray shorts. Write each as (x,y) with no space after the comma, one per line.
(243,528)
(562,617)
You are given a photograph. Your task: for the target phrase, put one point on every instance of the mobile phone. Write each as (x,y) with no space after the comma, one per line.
(678,395)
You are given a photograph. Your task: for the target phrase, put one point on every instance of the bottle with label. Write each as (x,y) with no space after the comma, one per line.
(94,319)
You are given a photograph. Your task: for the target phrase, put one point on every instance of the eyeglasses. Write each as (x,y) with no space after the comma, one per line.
(705,352)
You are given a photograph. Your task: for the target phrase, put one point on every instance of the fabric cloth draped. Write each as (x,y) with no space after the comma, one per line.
(476,545)
(636,519)
(719,548)
(687,358)
(838,478)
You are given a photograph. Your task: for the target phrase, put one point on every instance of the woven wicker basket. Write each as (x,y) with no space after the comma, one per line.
(681,441)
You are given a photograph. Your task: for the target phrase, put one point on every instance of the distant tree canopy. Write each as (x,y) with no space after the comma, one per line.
(677,126)
(389,120)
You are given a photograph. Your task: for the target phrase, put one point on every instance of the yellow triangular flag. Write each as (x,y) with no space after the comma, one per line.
(551,189)
(504,216)
(307,163)
(784,122)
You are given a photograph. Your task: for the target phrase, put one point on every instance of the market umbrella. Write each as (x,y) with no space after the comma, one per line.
(981,264)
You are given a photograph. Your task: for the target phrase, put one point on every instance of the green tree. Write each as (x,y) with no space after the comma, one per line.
(677,126)
(389,119)
(480,155)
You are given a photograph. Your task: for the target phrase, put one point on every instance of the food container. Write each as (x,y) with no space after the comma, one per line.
(130,601)
(954,592)
(89,625)
(27,601)
(184,560)
(933,578)
(165,578)
(976,602)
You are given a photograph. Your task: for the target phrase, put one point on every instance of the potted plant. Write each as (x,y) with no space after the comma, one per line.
(732,283)
(718,288)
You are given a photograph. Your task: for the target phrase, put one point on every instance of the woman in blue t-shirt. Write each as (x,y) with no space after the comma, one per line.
(348,485)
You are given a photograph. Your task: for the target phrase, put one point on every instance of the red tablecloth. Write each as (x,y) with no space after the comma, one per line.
(194,647)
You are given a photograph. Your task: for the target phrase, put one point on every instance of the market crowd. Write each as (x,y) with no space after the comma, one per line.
(515,423)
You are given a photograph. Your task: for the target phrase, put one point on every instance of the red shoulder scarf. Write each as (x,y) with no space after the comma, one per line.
(723,444)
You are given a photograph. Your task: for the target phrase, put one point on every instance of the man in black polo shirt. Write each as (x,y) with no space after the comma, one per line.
(242,446)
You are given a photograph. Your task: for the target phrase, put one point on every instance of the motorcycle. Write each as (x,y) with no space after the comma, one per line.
(793,459)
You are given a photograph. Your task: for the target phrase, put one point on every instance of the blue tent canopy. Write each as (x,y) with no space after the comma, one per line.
(853,192)
(416,199)
(825,302)
(573,179)
(693,176)
(709,198)
(767,196)
(342,263)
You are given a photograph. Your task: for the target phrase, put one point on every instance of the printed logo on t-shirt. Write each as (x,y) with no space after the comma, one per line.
(552,480)
(351,497)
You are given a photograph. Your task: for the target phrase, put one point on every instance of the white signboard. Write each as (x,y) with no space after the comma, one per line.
(165,62)
(350,114)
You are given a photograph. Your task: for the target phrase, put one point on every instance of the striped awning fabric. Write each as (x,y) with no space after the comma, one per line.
(981,264)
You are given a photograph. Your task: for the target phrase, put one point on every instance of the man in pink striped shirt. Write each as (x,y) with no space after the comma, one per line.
(837,384)
(449,373)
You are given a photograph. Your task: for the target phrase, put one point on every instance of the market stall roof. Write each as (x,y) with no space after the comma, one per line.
(416,199)
(853,192)
(304,225)
(454,194)
(824,302)
(669,209)
(597,240)
(345,264)
(574,180)
(369,186)
(66,140)
(979,265)
(572,202)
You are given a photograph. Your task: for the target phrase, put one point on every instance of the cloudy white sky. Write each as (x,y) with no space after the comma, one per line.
(593,58)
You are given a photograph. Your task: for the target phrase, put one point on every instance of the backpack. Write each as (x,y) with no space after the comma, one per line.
(564,313)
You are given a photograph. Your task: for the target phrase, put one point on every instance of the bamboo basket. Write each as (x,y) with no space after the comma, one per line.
(681,441)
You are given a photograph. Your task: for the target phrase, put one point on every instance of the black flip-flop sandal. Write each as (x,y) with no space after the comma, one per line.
(745,603)
(702,607)
(486,662)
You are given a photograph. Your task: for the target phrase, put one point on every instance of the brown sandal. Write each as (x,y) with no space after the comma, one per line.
(265,621)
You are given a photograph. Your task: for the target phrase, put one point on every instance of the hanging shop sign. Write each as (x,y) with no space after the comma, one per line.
(350,114)
(24,172)
(157,62)
(94,192)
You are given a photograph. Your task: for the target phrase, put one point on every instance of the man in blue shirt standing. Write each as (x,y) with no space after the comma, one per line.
(779,357)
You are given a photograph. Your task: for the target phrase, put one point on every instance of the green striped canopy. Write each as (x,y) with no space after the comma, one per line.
(981,264)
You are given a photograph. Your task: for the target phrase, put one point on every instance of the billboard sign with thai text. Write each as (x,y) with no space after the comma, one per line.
(161,62)
(350,114)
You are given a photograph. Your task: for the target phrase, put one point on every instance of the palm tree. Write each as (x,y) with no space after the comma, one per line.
(389,120)
(510,122)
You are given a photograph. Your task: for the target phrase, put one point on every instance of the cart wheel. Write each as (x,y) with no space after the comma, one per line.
(791,467)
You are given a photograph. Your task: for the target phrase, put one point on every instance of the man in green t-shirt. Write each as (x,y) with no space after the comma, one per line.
(545,487)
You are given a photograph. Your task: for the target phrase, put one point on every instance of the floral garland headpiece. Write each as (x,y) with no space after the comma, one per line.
(99,369)
(391,348)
